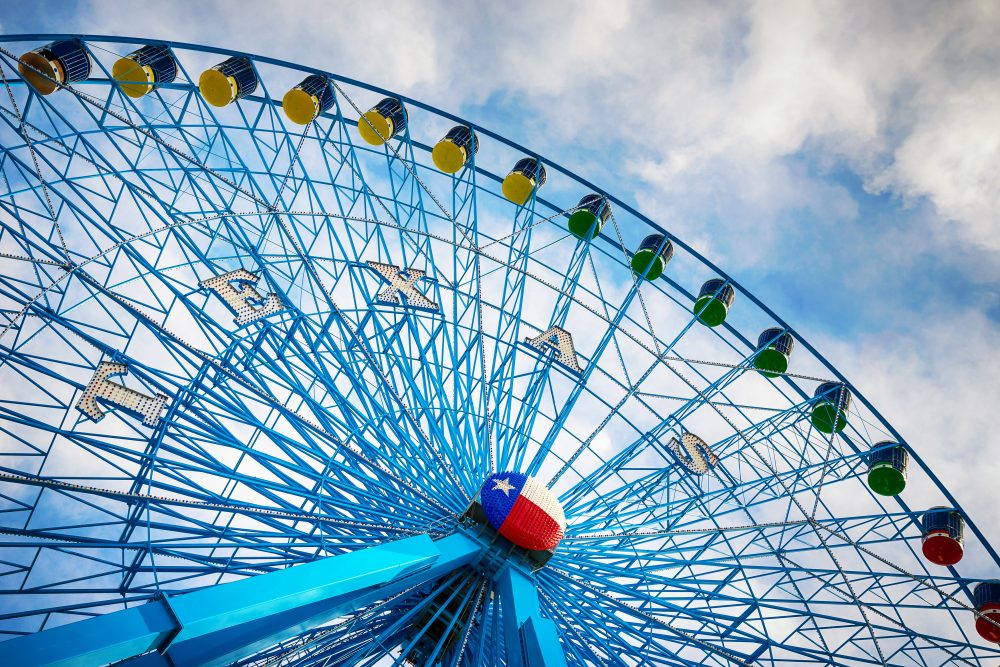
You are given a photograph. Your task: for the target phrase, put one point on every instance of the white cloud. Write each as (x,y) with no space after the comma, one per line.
(951,156)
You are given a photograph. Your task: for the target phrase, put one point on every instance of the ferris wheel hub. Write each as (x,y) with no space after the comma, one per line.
(523,510)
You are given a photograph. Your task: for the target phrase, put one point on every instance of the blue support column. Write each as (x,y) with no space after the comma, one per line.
(219,624)
(532,640)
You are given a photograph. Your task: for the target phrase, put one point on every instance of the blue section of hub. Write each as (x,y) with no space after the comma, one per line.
(499,493)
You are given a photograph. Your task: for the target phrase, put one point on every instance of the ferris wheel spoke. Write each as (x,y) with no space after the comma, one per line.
(612,467)
(121,243)
(920,584)
(565,610)
(702,640)
(359,383)
(324,495)
(290,382)
(407,197)
(493,259)
(409,352)
(257,556)
(506,355)
(772,430)
(674,519)
(830,554)
(609,336)
(838,570)
(523,418)
(468,350)
(852,595)
(167,125)
(708,578)
(624,253)
(406,412)
(350,332)
(327,473)
(312,426)
(717,603)
(879,528)
(508,323)
(352,190)
(207,502)
(160,329)
(360,413)
(344,364)
(606,469)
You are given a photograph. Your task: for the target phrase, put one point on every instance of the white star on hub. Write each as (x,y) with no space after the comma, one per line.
(503,485)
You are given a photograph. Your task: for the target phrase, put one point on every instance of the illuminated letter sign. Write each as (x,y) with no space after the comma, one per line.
(561,341)
(100,387)
(248,304)
(400,285)
(694,453)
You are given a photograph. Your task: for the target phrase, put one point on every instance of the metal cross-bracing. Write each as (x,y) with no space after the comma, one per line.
(255,375)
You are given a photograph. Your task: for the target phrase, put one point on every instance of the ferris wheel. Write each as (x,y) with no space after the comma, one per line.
(297,371)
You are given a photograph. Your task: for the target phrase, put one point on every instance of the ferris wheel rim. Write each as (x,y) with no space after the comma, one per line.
(736,333)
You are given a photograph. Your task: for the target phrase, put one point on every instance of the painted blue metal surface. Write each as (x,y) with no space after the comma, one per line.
(531,639)
(224,623)
(219,624)
(96,641)
(540,641)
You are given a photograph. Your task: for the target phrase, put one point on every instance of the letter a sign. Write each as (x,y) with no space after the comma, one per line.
(561,341)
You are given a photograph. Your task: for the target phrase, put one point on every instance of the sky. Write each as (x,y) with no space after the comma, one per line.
(841,160)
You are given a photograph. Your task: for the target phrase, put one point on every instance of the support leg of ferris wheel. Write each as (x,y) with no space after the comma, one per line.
(531,638)
(216,625)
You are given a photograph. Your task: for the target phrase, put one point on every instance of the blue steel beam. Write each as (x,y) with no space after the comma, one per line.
(532,640)
(219,624)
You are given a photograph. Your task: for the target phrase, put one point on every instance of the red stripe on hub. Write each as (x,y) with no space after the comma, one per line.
(529,526)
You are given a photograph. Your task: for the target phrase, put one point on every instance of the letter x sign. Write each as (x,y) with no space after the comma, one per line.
(402,285)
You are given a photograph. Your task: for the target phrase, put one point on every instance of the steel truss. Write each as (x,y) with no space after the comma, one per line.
(252,375)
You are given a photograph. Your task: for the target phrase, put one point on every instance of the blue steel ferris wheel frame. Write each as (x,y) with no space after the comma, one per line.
(420,474)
